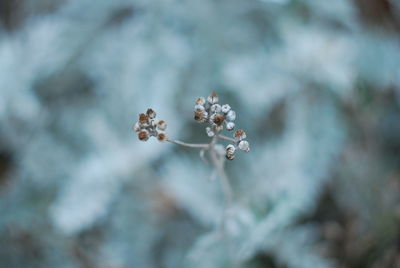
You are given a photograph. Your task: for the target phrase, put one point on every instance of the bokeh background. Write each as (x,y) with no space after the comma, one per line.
(316,85)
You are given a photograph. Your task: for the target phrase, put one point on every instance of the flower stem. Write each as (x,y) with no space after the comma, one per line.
(191,145)
(226,138)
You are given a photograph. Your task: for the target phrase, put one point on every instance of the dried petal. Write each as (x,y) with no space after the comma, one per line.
(244,146)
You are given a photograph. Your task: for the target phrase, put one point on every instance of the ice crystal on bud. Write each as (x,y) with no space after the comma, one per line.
(230,125)
(244,146)
(199,108)
(136,127)
(230,152)
(200,101)
(162,125)
(239,134)
(215,108)
(213,98)
(225,108)
(231,115)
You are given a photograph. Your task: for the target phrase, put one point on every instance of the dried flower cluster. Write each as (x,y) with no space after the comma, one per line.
(148,126)
(211,111)
(206,110)
(217,116)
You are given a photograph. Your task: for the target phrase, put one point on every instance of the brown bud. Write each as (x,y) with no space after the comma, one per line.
(150,113)
(200,116)
(219,119)
(240,134)
(143,119)
(143,135)
(213,98)
(162,137)
(200,101)
(162,125)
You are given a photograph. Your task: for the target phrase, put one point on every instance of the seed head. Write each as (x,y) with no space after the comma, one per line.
(218,119)
(231,115)
(244,146)
(143,135)
(225,108)
(230,152)
(213,98)
(215,108)
(162,137)
(201,116)
(199,108)
(150,113)
(230,126)
(239,134)
(200,101)
(162,125)
(143,119)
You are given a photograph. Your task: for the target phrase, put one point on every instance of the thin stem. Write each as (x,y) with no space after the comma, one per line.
(219,166)
(226,138)
(191,145)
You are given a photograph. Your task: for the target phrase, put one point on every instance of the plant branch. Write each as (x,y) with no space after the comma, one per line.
(191,145)
(226,138)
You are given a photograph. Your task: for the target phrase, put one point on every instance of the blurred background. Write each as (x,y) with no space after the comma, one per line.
(315,84)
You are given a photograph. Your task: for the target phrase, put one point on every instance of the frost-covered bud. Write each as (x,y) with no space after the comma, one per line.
(143,135)
(162,137)
(213,98)
(230,152)
(201,117)
(244,146)
(199,108)
(210,132)
(136,127)
(200,101)
(215,108)
(231,115)
(239,134)
(225,108)
(230,126)
(143,119)
(162,125)
(218,119)
(151,114)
